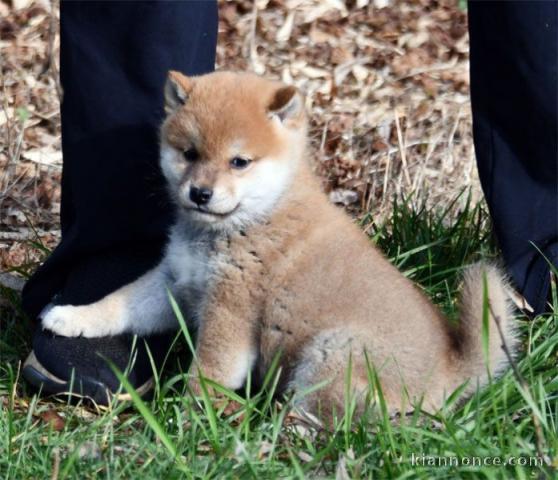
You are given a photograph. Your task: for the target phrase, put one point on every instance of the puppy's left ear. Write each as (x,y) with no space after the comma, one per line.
(287,105)
(177,90)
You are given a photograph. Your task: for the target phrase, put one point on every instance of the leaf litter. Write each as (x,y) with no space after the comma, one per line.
(386,85)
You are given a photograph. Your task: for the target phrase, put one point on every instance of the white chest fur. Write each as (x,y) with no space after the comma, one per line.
(191,263)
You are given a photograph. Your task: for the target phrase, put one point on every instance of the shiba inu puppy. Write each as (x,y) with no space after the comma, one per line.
(262,264)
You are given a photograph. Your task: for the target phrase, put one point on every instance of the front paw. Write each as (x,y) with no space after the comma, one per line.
(71,321)
(60,320)
(196,388)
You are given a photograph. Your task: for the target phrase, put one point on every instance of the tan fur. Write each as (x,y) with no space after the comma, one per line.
(209,97)
(307,284)
(269,267)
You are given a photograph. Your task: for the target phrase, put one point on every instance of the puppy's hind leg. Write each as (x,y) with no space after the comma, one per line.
(336,360)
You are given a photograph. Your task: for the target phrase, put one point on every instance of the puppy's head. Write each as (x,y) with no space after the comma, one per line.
(230,145)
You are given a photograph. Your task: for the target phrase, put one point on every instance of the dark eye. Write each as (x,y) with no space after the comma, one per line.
(191,154)
(240,163)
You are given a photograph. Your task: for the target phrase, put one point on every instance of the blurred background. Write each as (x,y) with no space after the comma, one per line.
(386,85)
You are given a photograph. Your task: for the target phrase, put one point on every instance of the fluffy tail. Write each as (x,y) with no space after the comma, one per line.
(472,361)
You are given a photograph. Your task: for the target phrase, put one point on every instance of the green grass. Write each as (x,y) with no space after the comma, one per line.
(170,437)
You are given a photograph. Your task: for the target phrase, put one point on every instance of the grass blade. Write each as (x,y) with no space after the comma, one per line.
(145,412)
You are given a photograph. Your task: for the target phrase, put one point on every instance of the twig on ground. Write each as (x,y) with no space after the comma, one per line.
(55,464)
(402,148)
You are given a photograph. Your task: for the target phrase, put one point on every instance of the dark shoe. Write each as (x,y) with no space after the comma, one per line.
(77,366)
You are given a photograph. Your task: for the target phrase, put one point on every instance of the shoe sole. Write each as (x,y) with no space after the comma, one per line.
(82,387)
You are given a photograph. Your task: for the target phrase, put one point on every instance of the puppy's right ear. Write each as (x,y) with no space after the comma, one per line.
(177,90)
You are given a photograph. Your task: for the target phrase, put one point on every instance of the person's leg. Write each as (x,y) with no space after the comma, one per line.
(513,46)
(114,216)
(114,60)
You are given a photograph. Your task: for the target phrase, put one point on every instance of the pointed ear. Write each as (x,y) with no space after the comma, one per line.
(287,104)
(177,89)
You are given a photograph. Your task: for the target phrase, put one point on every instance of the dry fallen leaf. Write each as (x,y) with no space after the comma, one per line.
(354,61)
(89,451)
(44,156)
(265,448)
(344,197)
(305,457)
(52,418)
(341,470)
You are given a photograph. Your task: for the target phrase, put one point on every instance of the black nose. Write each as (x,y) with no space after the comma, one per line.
(201,195)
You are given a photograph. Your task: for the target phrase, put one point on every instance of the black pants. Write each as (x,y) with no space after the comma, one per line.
(113,63)
(114,60)
(514,87)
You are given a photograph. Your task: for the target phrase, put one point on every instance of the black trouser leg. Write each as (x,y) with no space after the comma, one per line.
(514,99)
(114,60)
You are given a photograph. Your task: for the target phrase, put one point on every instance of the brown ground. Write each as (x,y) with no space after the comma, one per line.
(386,84)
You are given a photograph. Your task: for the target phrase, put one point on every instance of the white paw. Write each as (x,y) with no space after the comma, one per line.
(71,321)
